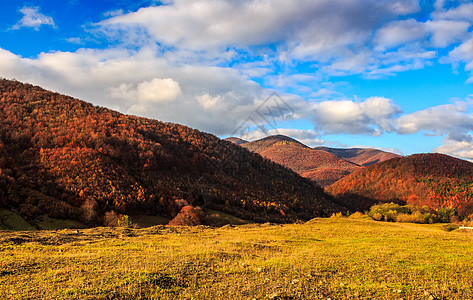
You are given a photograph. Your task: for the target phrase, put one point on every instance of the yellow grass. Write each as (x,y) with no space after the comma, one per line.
(337,258)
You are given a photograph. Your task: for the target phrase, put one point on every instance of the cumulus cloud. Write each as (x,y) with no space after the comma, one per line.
(459,147)
(373,116)
(309,29)
(440,119)
(146,94)
(464,54)
(453,121)
(33,18)
(461,12)
(158,90)
(399,33)
(446,32)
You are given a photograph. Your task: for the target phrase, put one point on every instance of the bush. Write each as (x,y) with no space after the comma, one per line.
(389,209)
(188,216)
(125,221)
(444,214)
(415,217)
(337,215)
(110,219)
(357,215)
(392,212)
(430,218)
(377,216)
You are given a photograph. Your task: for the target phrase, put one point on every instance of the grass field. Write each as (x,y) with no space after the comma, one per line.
(335,258)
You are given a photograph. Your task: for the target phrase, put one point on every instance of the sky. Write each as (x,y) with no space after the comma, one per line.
(390,74)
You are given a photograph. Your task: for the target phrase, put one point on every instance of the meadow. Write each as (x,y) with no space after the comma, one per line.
(333,258)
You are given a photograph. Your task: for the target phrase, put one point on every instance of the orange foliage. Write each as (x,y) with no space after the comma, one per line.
(433,180)
(57,153)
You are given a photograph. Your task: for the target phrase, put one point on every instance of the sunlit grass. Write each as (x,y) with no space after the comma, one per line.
(325,258)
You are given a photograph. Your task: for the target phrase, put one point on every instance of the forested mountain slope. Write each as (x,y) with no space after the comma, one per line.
(69,159)
(434,180)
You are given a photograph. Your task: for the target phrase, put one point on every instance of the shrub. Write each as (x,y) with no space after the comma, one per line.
(188,216)
(125,221)
(444,214)
(357,215)
(430,218)
(450,227)
(390,216)
(415,217)
(337,215)
(377,216)
(388,210)
(110,219)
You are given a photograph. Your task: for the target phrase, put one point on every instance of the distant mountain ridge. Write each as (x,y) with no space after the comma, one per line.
(360,156)
(322,165)
(235,140)
(68,159)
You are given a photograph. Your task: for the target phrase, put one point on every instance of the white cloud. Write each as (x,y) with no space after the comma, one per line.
(446,32)
(33,18)
(463,53)
(441,119)
(399,33)
(453,121)
(373,116)
(310,29)
(158,90)
(461,12)
(149,91)
(461,149)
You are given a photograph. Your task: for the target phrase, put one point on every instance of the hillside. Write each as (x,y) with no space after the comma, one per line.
(360,156)
(68,159)
(320,166)
(434,180)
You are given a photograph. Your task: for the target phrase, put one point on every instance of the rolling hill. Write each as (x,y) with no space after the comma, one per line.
(434,180)
(68,159)
(320,166)
(360,156)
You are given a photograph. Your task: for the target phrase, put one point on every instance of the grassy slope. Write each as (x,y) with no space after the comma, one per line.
(336,258)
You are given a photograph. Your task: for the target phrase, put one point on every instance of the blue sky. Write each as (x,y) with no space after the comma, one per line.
(394,75)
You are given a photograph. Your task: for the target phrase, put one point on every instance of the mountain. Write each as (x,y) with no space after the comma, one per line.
(68,159)
(269,141)
(320,166)
(235,140)
(434,180)
(360,156)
